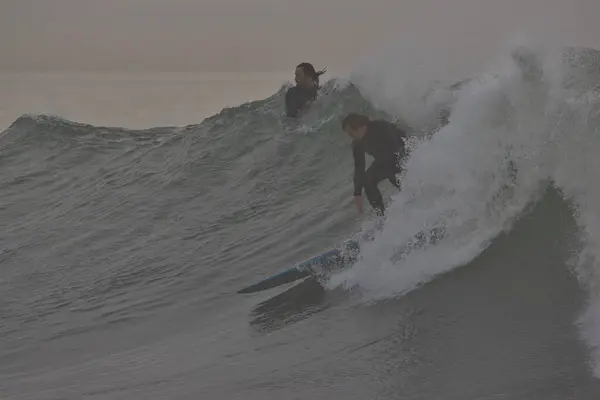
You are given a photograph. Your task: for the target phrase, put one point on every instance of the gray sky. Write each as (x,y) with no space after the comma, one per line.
(269,35)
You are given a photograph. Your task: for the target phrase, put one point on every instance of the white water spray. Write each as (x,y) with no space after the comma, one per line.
(535,120)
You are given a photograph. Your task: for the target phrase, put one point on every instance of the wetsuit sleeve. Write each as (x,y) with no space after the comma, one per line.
(359,168)
(291,105)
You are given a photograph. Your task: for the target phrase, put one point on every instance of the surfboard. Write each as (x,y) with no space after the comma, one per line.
(323,262)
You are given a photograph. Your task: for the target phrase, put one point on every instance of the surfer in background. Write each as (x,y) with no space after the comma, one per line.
(305,91)
(382,140)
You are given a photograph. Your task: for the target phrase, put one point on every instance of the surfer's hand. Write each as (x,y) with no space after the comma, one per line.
(359,203)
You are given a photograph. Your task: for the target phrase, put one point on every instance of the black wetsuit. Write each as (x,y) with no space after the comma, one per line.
(297,98)
(385,143)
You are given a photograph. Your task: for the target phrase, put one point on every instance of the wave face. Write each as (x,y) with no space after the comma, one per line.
(102,226)
(121,249)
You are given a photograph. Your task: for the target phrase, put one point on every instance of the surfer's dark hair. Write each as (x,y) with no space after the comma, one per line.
(355,121)
(309,70)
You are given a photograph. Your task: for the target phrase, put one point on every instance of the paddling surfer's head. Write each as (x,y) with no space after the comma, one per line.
(355,125)
(306,76)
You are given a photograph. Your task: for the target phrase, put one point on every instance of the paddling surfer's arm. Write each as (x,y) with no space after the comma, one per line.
(359,174)
(291,103)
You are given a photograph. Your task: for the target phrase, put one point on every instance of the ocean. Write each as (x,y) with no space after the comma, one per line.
(126,233)
(128,99)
